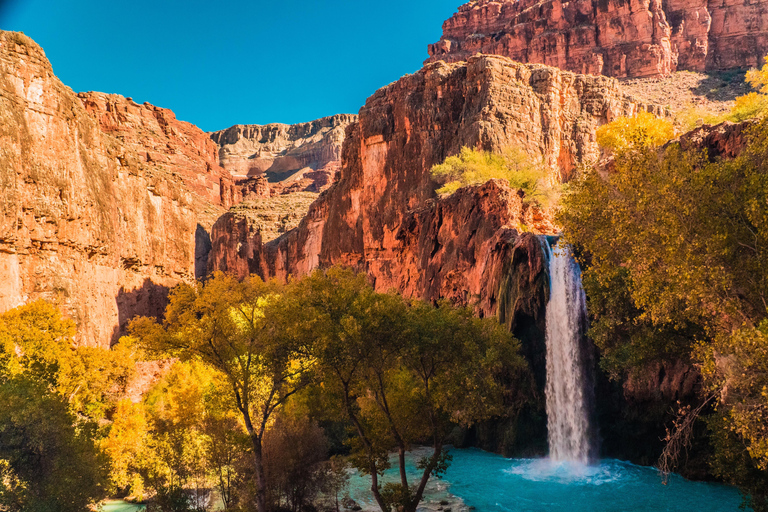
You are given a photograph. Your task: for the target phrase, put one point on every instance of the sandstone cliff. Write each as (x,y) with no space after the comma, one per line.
(176,148)
(102,199)
(303,157)
(383,216)
(637,38)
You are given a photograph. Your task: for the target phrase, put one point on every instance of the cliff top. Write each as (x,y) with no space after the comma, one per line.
(316,124)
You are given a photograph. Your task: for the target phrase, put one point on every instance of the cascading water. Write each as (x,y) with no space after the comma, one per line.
(569,387)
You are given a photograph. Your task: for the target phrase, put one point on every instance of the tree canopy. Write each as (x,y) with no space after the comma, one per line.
(675,250)
(398,372)
(474,167)
(52,395)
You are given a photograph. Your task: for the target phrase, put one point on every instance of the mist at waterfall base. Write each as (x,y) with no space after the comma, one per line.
(570,479)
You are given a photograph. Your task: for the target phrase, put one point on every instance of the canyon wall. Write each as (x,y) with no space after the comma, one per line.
(382,215)
(301,157)
(633,38)
(105,203)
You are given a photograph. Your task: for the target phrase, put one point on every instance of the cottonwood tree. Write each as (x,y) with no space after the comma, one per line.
(51,393)
(675,247)
(402,373)
(239,328)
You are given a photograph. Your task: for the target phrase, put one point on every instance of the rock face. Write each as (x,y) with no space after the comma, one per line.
(382,215)
(104,202)
(304,156)
(725,140)
(633,38)
(173,147)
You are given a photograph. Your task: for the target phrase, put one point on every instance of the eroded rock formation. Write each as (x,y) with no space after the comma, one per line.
(104,202)
(383,216)
(636,38)
(303,157)
(161,141)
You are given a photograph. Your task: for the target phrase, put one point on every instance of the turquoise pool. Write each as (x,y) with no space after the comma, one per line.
(489,482)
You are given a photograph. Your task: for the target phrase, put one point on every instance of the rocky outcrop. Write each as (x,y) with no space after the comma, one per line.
(305,156)
(161,141)
(382,215)
(636,38)
(725,140)
(104,202)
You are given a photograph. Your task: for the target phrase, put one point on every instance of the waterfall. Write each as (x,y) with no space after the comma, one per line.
(570,388)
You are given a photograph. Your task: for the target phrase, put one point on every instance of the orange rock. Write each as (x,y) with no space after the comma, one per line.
(382,214)
(300,157)
(105,203)
(637,38)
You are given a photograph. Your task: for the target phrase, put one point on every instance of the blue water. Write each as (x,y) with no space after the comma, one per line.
(490,483)
(121,506)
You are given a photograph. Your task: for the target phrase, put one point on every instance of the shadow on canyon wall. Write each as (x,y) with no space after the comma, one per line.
(149,299)
(202,250)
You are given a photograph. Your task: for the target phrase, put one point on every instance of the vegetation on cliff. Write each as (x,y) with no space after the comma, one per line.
(475,167)
(676,254)
(632,133)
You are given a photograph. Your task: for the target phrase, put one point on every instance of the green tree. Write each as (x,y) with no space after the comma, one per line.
(52,393)
(676,254)
(47,457)
(237,329)
(402,373)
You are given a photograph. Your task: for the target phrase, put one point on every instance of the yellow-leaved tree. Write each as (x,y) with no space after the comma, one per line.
(753,104)
(634,133)
(475,167)
(239,329)
(54,397)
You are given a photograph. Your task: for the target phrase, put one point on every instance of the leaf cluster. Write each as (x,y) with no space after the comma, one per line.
(645,130)
(53,398)
(475,167)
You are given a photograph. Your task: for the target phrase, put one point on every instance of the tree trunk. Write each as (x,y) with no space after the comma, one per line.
(403,476)
(261,481)
(368,447)
(424,479)
(258,466)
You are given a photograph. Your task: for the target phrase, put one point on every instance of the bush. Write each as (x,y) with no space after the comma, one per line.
(474,167)
(634,133)
(754,104)
(749,106)
(294,452)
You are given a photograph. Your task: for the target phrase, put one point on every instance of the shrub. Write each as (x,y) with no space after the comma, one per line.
(753,104)
(749,106)
(474,167)
(634,133)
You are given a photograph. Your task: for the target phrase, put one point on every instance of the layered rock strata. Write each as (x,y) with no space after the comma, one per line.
(300,157)
(104,202)
(636,38)
(382,215)
(168,145)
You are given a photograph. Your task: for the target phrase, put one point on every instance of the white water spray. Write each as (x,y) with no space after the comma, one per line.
(569,387)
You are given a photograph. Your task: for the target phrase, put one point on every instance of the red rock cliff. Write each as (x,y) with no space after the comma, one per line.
(632,38)
(383,216)
(104,202)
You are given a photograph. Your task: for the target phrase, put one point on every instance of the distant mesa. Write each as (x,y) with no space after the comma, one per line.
(633,38)
(277,158)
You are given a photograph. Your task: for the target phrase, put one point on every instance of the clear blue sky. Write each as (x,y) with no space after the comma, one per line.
(221,62)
